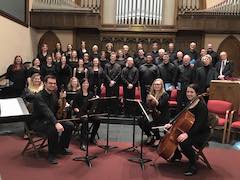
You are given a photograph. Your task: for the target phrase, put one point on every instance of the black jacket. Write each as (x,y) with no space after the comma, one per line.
(228,69)
(167,72)
(130,75)
(148,73)
(185,74)
(112,72)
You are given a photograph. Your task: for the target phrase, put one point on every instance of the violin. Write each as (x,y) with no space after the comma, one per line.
(152,108)
(62,113)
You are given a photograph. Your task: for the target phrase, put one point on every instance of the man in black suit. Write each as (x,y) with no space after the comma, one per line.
(224,67)
(213,54)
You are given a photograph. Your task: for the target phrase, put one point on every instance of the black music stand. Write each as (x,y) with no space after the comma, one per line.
(91,110)
(134,103)
(107,101)
(140,159)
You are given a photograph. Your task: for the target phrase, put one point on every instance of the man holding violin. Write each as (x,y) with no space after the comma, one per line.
(198,133)
(45,107)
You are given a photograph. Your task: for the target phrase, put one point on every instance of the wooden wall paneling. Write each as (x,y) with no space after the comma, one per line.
(49,38)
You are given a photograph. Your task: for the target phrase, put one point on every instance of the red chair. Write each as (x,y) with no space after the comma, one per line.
(121,91)
(222,109)
(234,126)
(137,93)
(103,91)
(173,99)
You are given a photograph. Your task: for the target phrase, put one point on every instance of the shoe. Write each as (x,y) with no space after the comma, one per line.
(93,141)
(191,170)
(176,158)
(149,140)
(83,147)
(52,159)
(156,143)
(25,136)
(66,151)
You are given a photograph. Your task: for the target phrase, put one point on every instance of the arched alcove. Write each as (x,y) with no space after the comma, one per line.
(49,38)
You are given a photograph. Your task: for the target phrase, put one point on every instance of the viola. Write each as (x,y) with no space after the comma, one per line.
(62,113)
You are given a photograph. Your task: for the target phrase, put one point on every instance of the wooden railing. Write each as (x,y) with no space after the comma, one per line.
(92,5)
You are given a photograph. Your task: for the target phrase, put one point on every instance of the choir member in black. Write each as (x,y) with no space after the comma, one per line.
(185,76)
(199,62)
(86,60)
(120,58)
(95,77)
(139,46)
(167,72)
(112,80)
(192,52)
(224,67)
(109,50)
(69,51)
(72,89)
(82,49)
(57,58)
(197,135)
(17,74)
(178,61)
(157,104)
(154,52)
(94,53)
(148,72)
(213,54)
(103,60)
(63,72)
(73,61)
(125,52)
(48,68)
(140,59)
(80,72)
(34,69)
(58,48)
(159,59)
(80,104)
(42,55)
(45,107)
(172,52)
(129,77)
(205,74)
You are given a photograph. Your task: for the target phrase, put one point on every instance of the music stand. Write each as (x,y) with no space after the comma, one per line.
(134,105)
(107,101)
(140,159)
(91,110)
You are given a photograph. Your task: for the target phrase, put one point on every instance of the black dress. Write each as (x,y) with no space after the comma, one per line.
(96,79)
(63,75)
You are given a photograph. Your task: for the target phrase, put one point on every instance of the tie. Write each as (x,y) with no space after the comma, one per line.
(222,67)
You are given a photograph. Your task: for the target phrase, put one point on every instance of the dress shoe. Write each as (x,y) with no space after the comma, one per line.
(191,170)
(52,159)
(66,151)
(156,143)
(150,140)
(83,147)
(176,158)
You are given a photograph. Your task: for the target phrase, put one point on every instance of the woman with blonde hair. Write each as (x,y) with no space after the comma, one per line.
(157,104)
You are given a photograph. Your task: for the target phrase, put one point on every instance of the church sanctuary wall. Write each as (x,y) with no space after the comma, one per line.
(15,40)
(216,39)
(210,3)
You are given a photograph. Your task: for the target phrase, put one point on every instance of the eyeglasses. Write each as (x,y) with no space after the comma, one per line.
(157,84)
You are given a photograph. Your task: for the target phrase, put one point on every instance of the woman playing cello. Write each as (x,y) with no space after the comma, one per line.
(197,134)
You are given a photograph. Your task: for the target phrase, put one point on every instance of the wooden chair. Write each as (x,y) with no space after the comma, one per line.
(36,141)
(222,109)
(213,120)
(234,125)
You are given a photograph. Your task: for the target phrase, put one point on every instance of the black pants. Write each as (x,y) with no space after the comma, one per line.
(187,149)
(85,128)
(113,105)
(128,94)
(56,142)
(146,126)
(144,92)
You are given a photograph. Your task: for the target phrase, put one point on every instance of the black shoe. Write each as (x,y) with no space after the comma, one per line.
(52,159)
(93,141)
(191,170)
(83,147)
(176,158)
(66,151)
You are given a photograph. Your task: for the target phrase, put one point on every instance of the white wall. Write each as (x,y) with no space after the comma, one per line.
(168,12)
(109,12)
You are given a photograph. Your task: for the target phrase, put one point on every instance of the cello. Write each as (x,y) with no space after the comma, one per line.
(62,113)
(181,123)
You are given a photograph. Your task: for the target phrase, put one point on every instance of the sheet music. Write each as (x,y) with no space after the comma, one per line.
(10,107)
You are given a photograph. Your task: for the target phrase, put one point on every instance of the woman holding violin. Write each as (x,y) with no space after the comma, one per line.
(198,133)
(157,104)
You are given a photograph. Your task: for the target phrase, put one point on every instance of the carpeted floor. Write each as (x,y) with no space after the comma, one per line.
(111,166)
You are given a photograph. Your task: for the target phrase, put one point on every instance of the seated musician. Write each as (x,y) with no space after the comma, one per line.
(35,85)
(72,89)
(198,133)
(45,106)
(157,102)
(80,103)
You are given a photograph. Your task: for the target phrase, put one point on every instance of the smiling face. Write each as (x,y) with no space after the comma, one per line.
(191,93)
(157,85)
